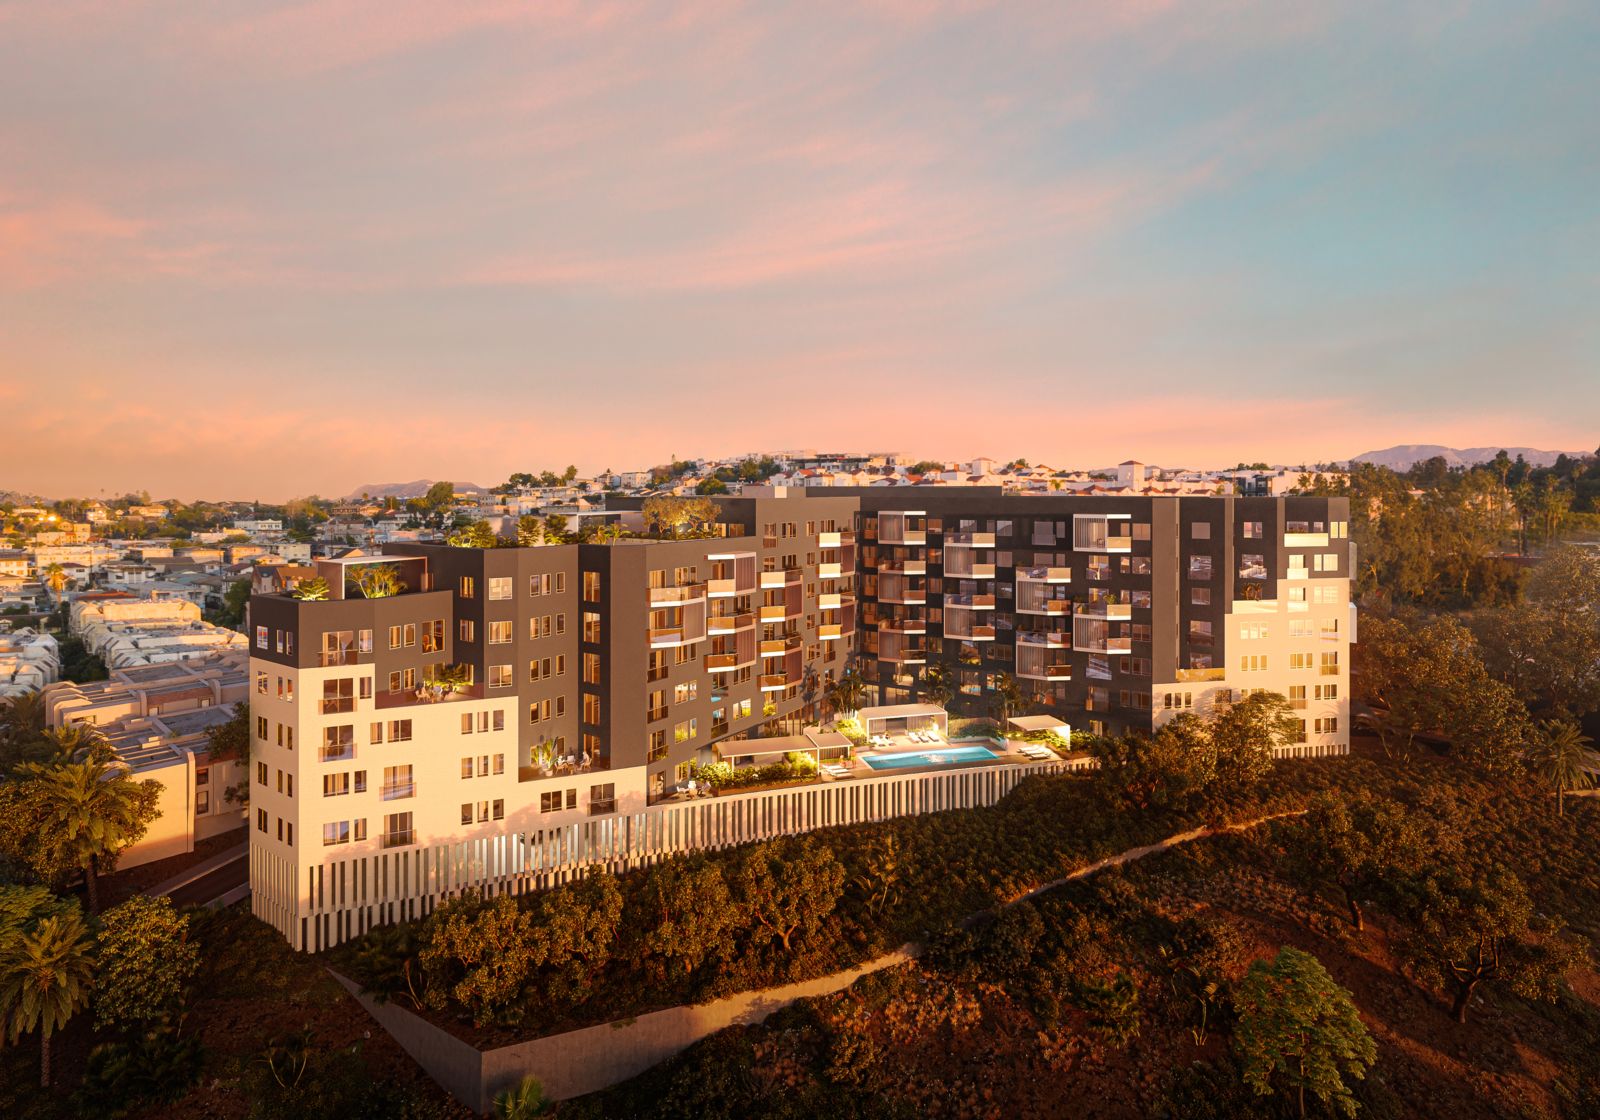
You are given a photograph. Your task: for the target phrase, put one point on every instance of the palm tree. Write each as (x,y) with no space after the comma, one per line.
(523,1101)
(93,811)
(1008,696)
(1564,756)
(45,980)
(938,686)
(55,578)
(22,719)
(847,693)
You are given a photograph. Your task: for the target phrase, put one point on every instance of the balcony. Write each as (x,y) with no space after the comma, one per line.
(956,627)
(902,527)
(721,588)
(783,578)
(1305,540)
(676,596)
(1043,574)
(779,647)
(901,595)
(775,682)
(1041,668)
(1045,639)
(830,570)
(1198,676)
(397,791)
(721,662)
(836,600)
(601,808)
(667,636)
(1105,609)
(730,623)
(970,602)
(1039,605)
(1091,635)
(836,540)
(905,655)
(831,631)
(903,625)
(774,613)
(909,567)
(1100,533)
(961,565)
(969,540)
(399,839)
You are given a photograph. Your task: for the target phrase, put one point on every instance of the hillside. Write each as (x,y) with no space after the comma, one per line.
(1112,997)
(405,489)
(1403,456)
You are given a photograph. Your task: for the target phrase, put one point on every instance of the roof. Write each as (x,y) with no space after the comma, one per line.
(898,711)
(1038,723)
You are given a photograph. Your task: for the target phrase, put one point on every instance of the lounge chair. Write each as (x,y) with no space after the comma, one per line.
(835,771)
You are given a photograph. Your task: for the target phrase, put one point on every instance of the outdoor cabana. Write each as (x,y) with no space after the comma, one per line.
(1034,724)
(898,719)
(760,752)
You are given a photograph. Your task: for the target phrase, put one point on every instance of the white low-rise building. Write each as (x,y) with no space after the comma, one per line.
(29,661)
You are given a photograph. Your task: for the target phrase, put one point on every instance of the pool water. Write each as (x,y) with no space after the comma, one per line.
(946,756)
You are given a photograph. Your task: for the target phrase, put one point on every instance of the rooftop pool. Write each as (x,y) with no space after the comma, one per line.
(945,756)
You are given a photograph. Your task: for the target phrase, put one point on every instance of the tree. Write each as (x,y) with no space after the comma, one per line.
(938,685)
(848,691)
(530,530)
(1357,846)
(313,589)
(1547,648)
(1007,699)
(474,534)
(575,926)
(1162,771)
(711,486)
(555,528)
(1244,736)
(46,974)
(92,811)
(55,578)
(478,952)
(691,912)
(146,963)
(1476,927)
(234,601)
(675,518)
(377,581)
(1564,756)
(788,888)
(1299,1031)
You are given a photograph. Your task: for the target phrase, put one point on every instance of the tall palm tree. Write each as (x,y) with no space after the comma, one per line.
(847,693)
(1564,756)
(22,718)
(938,685)
(92,811)
(1008,697)
(45,979)
(55,578)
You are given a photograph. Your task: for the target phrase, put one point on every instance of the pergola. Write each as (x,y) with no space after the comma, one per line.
(1041,723)
(896,719)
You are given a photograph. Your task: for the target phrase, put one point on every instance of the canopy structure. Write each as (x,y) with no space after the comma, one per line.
(1041,723)
(777,745)
(894,719)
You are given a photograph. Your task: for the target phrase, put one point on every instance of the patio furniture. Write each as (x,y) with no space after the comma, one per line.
(835,771)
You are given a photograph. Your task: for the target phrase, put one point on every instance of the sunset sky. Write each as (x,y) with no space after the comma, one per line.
(256,250)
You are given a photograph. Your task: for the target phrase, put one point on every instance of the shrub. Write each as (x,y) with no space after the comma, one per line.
(158,1066)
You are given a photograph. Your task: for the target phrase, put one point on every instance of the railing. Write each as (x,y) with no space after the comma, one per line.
(1195,676)
(345,753)
(969,540)
(338,705)
(1103,609)
(970,633)
(1049,639)
(905,567)
(775,682)
(774,613)
(601,808)
(1042,574)
(667,596)
(729,623)
(782,578)
(331,658)
(836,540)
(653,714)
(903,625)
(971,602)
(1330,670)
(399,839)
(777,647)
(830,631)
(830,570)
(397,791)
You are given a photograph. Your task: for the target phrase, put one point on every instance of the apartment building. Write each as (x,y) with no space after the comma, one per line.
(527,692)
(1115,613)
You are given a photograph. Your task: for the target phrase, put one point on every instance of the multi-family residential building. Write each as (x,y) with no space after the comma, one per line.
(156,719)
(29,660)
(529,689)
(1115,613)
(487,707)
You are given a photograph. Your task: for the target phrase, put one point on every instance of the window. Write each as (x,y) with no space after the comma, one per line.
(499,764)
(261,773)
(338,743)
(261,643)
(1299,661)
(548,802)
(1327,725)
(399,731)
(397,830)
(468,630)
(405,680)
(1330,664)
(466,812)
(1200,633)
(1200,530)
(469,587)
(499,676)
(683,731)
(498,809)
(1253,663)
(335,785)
(402,636)
(591,708)
(1327,692)
(539,585)
(261,728)
(1254,631)
(1252,565)
(1178,700)
(261,820)
(591,587)
(1252,530)
(685,692)
(338,696)
(433,635)
(261,683)
(1199,567)
(603,798)
(591,626)
(500,587)
(1200,596)
(337,832)
(500,633)
(397,783)
(375,733)
(591,667)
(1326,562)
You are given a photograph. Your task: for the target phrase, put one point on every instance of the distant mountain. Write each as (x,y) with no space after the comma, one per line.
(1402,457)
(406,489)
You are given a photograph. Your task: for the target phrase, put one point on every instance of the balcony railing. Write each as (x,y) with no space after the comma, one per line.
(778,647)
(776,612)
(1057,671)
(601,808)
(772,580)
(721,588)
(903,625)
(670,596)
(912,567)
(1049,639)
(338,705)
(399,839)
(1105,609)
(334,657)
(667,636)
(721,662)
(1329,671)
(1194,676)
(835,540)
(830,631)
(728,624)
(345,753)
(775,682)
(397,791)
(970,602)
(969,540)
(830,570)
(1043,574)
(651,715)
